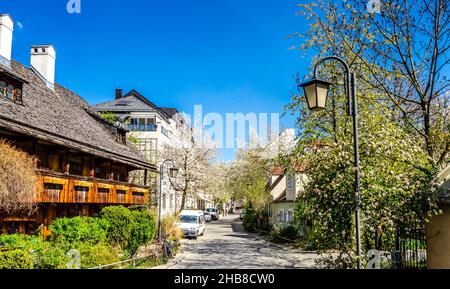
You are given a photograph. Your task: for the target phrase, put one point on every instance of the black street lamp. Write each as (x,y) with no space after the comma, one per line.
(173,171)
(316,93)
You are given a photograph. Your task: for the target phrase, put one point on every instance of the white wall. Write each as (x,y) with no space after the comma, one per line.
(175,132)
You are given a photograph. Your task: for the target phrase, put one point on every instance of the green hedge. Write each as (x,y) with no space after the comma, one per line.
(99,254)
(16,259)
(119,231)
(129,228)
(72,231)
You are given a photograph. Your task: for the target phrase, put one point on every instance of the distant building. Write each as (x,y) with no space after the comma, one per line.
(285,184)
(84,161)
(153,127)
(285,189)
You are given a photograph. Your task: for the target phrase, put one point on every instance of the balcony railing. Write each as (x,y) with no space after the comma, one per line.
(70,189)
(141,127)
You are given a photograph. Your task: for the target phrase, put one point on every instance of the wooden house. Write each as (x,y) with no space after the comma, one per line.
(84,161)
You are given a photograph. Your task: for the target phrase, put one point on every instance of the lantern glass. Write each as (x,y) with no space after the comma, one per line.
(322,94)
(173,172)
(316,93)
(311,96)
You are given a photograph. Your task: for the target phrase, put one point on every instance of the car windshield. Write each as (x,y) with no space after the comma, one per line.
(188,219)
(211,210)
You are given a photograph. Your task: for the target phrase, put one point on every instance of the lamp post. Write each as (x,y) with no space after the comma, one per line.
(172,174)
(316,93)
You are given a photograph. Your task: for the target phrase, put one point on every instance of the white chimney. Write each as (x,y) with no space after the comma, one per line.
(6,33)
(43,58)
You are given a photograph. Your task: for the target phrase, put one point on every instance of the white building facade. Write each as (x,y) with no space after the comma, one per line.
(151,128)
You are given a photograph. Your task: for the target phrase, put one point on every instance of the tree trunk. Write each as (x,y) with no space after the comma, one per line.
(183,200)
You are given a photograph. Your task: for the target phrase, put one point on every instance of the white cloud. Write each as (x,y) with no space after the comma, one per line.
(20,25)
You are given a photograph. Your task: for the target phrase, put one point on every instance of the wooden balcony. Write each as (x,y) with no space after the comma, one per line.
(70,189)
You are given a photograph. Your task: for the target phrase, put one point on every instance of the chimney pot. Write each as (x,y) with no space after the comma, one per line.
(118,93)
(6,34)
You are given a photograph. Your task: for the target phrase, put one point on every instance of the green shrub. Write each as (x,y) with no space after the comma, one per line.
(49,255)
(143,230)
(17,241)
(289,232)
(16,259)
(250,220)
(129,228)
(71,231)
(109,116)
(99,254)
(120,221)
(43,255)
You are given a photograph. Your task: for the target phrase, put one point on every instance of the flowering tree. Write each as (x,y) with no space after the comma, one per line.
(402,53)
(248,175)
(194,160)
(394,192)
(404,129)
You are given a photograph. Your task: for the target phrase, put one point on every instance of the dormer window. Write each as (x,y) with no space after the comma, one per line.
(11,90)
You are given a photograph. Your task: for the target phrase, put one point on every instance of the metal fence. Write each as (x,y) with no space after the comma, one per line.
(167,252)
(410,250)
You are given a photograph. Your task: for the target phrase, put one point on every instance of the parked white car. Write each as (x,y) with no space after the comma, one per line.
(207,216)
(214,213)
(191,223)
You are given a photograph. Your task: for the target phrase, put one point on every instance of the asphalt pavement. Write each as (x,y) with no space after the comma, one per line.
(226,245)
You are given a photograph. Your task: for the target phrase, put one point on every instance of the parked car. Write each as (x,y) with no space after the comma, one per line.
(191,223)
(207,216)
(214,213)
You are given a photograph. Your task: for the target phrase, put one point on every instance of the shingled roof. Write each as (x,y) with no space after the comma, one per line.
(61,116)
(133,101)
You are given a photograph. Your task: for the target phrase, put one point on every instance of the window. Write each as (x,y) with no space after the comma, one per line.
(165,131)
(11,90)
(121,195)
(142,124)
(81,193)
(290,183)
(290,216)
(2,88)
(102,195)
(52,192)
(103,190)
(138,197)
(281,216)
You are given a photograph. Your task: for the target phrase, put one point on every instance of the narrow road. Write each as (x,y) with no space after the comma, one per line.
(226,245)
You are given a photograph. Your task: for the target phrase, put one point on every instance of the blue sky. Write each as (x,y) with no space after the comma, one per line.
(228,55)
